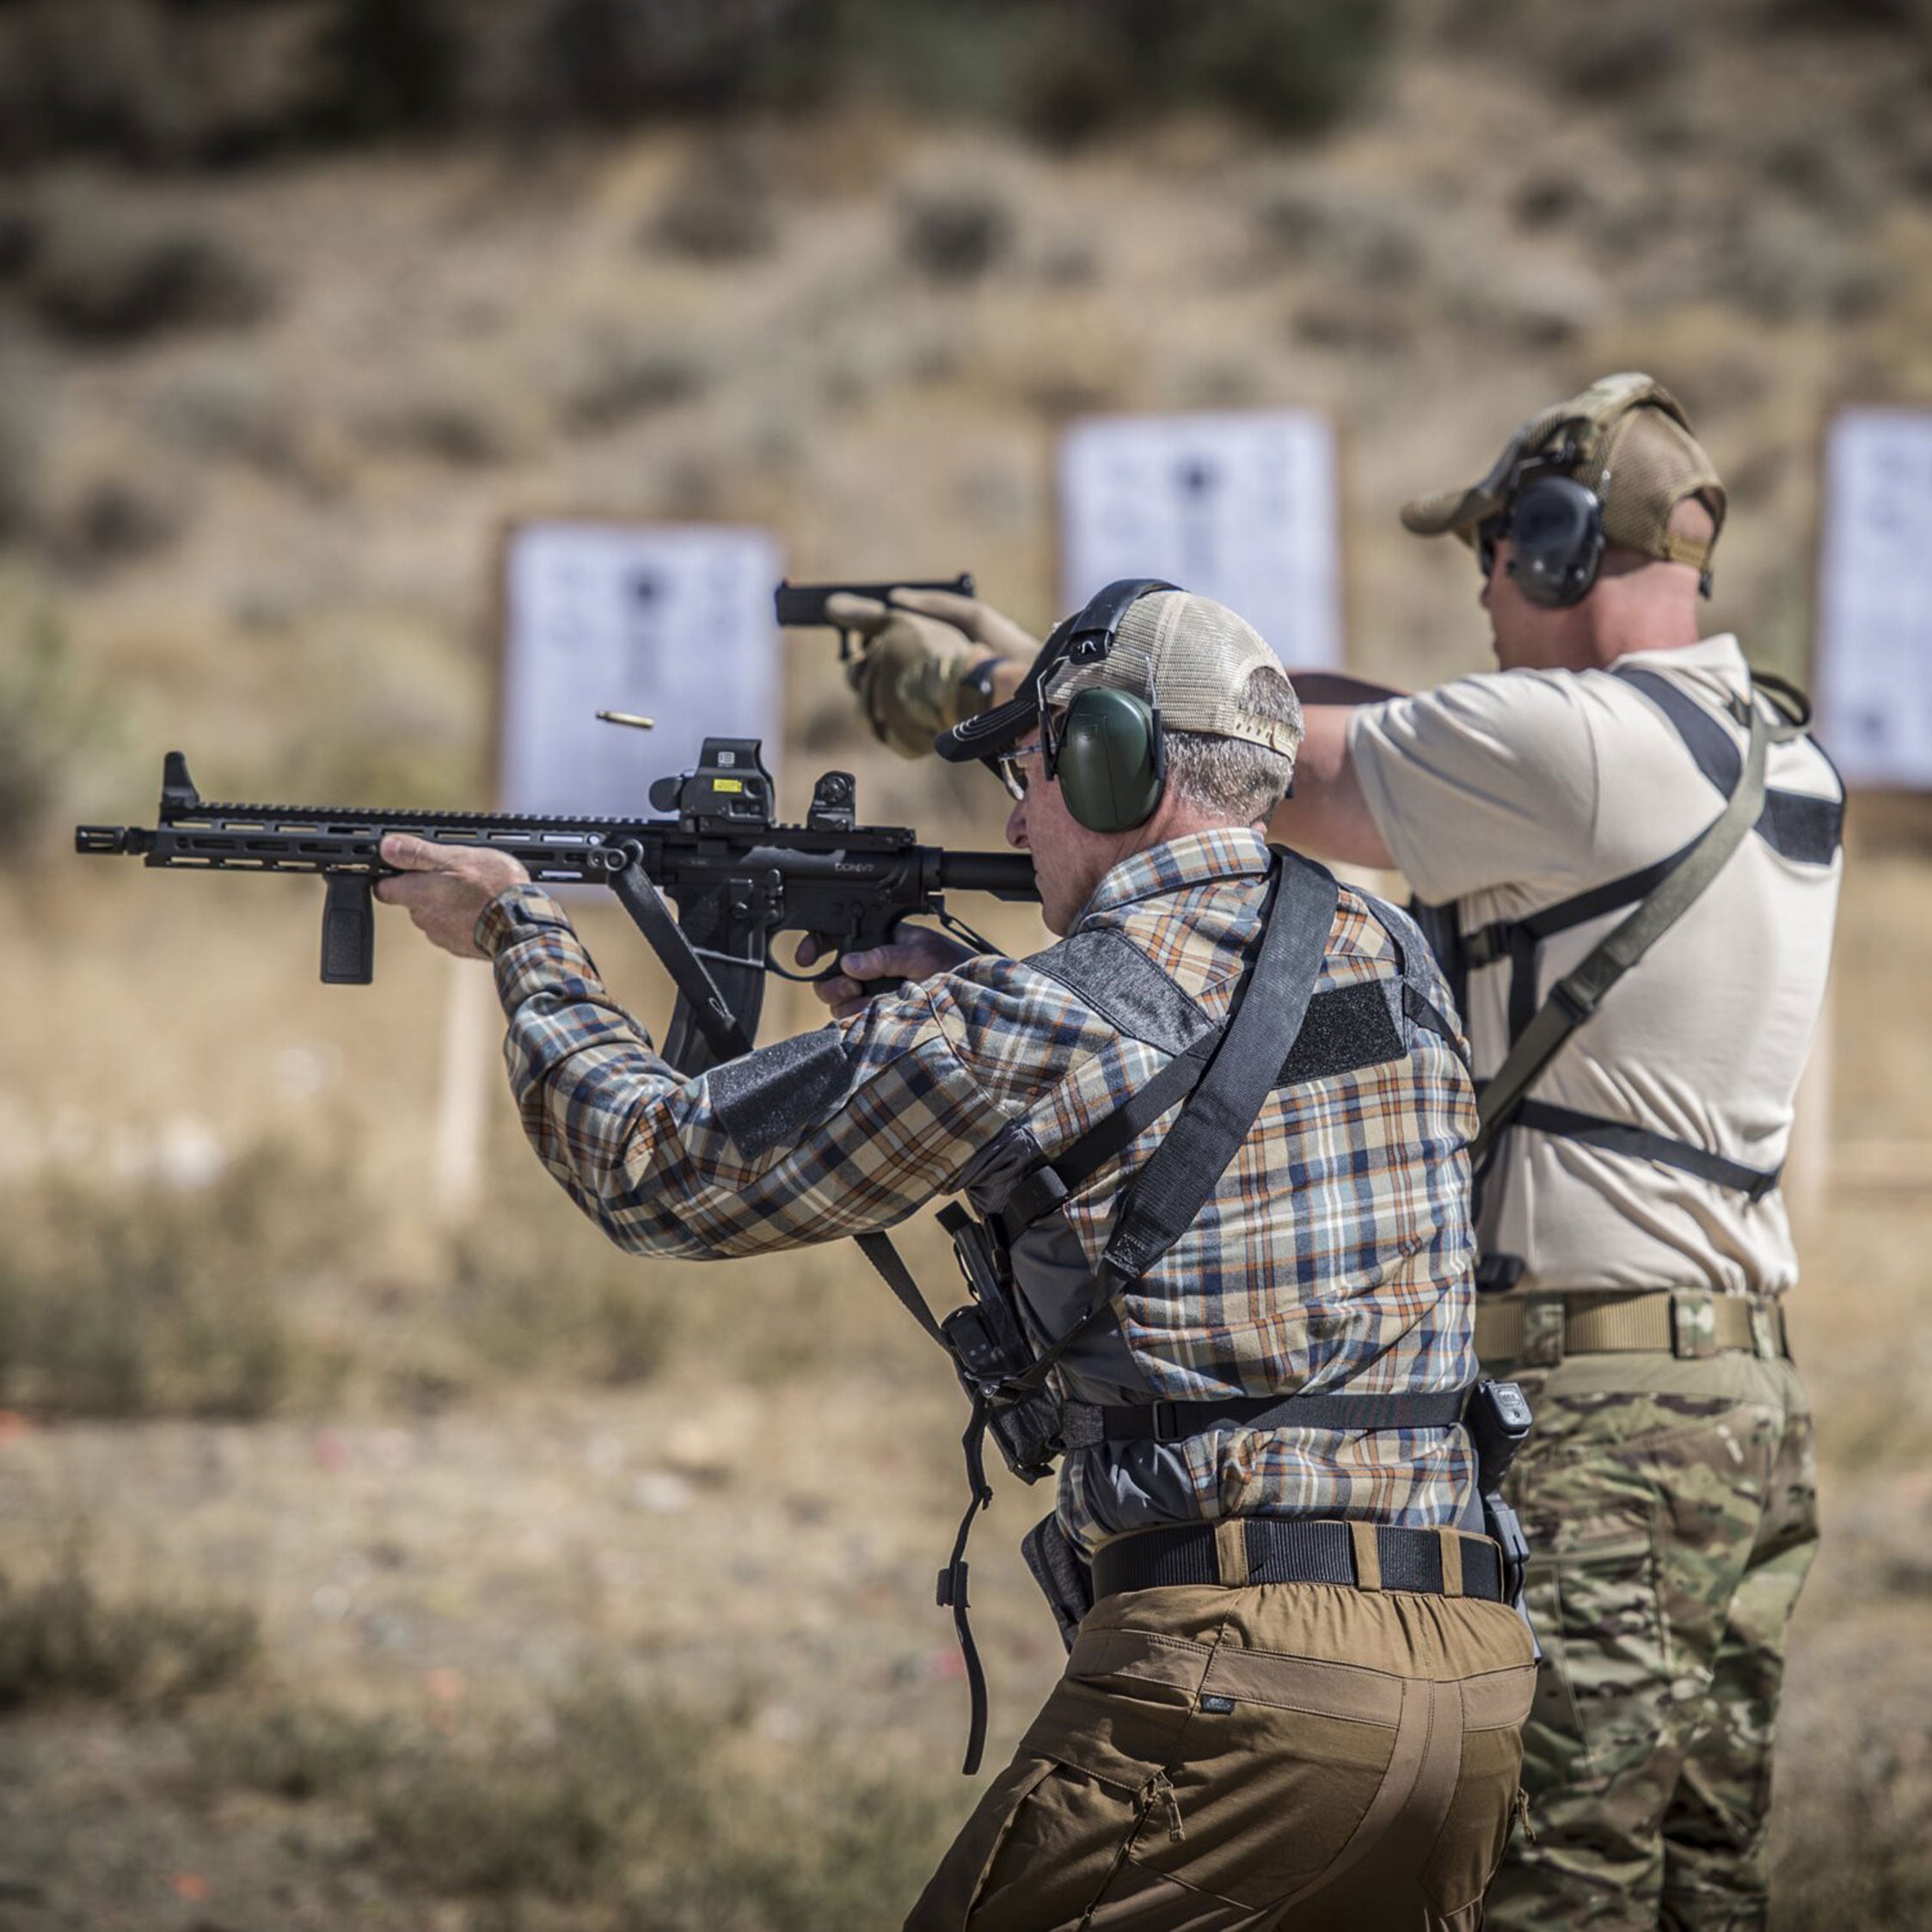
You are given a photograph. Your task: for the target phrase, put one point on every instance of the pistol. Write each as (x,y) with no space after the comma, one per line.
(802,606)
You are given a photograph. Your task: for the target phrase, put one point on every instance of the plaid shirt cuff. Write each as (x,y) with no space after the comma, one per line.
(531,941)
(514,915)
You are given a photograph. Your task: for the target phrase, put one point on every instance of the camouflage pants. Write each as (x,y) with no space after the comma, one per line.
(1671,1507)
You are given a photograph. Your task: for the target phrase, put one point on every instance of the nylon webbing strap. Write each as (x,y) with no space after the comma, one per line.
(1641,1324)
(951,1592)
(1166,1197)
(1619,1136)
(891,1265)
(1086,1423)
(1576,997)
(637,892)
(1490,943)
(1043,1190)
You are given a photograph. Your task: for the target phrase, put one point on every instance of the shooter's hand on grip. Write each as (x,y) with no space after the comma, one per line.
(929,659)
(913,953)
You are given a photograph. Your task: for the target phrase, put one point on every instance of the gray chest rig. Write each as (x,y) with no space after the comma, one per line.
(1037,1306)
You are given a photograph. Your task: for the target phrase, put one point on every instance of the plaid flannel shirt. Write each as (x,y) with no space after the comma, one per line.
(1336,1249)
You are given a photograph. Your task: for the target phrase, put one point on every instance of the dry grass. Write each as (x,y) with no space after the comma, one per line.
(1854,1829)
(644,1811)
(280,1285)
(60,1639)
(157,1300)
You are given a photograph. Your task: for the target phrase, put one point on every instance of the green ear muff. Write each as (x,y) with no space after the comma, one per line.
(1107,761)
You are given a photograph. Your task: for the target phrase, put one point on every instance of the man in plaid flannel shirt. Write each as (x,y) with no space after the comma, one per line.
(1254,1731)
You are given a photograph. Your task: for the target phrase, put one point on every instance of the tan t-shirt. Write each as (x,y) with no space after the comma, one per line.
(1510,791)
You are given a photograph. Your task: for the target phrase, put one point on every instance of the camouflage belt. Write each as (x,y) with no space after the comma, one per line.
(1691,1323)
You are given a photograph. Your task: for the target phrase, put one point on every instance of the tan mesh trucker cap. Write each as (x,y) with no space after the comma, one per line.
(1626,437)
(1187,653)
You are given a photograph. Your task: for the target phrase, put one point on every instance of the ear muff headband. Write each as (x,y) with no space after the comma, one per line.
(1108,750)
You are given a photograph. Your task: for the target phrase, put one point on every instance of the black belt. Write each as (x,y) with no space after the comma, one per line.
(1296,1550)
(1083,1424)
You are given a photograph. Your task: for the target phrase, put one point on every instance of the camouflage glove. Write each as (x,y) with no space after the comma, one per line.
(918,650)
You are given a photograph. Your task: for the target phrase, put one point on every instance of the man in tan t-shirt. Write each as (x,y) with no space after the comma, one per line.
(1636,1247)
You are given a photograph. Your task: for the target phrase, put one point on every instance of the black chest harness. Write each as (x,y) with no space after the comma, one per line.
(1799,827)
(1277,1030)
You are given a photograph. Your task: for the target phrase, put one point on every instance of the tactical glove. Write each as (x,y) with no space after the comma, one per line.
(910,676)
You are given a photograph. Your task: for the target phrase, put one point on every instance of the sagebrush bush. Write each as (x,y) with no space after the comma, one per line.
(61,1639)
(721,207)
(107,279)
(955,235)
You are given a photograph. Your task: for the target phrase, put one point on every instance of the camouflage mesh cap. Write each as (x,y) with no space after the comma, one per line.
(1187,654)
(1628,439)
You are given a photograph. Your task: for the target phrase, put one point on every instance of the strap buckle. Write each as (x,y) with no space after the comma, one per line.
(1487,945)
(1694,1325)
(1578,1004)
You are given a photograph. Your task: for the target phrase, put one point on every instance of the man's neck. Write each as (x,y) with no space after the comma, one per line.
(1605,647)
(1653,608)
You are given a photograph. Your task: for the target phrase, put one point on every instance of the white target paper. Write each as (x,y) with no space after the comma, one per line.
(1241,507)
(670,620)
(1874,640)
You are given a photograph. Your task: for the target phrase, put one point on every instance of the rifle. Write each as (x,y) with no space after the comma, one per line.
(803,605)
(738,878)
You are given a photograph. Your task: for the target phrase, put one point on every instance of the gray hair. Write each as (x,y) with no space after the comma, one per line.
(1233,775)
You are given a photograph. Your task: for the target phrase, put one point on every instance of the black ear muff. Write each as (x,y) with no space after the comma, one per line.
(1556,541)
(1107,759)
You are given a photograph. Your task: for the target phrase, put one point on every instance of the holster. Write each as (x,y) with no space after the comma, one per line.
(1064,1576)
(992,1354)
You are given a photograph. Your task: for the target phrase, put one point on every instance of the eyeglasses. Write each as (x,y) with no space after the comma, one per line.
(1012,770)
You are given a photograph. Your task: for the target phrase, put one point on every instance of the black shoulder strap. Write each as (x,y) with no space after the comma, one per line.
(1797,825)
(1038,1193)
(1164,1200)
(1619,1136)
(1166,1197)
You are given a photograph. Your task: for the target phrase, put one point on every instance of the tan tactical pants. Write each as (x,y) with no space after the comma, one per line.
(1297,1755)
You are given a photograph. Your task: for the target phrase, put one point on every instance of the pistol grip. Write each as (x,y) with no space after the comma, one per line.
(348,934)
